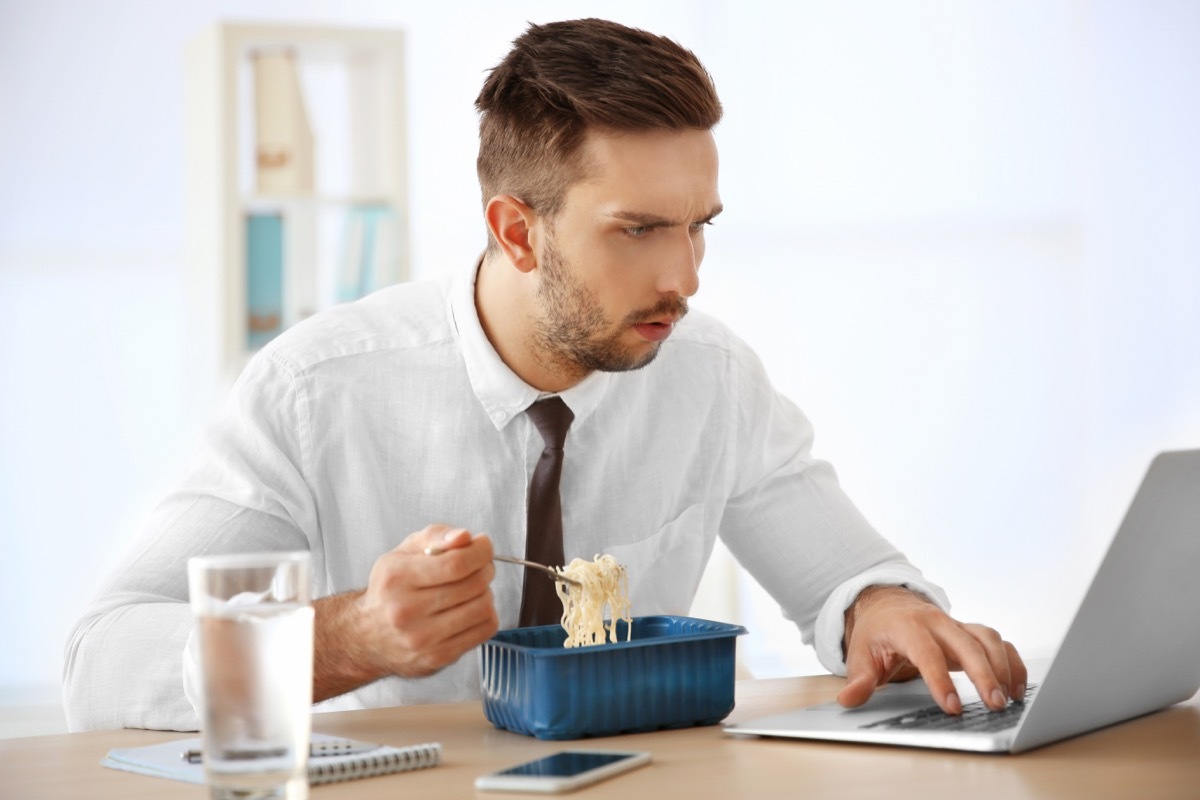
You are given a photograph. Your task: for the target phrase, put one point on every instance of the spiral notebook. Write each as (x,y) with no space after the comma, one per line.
(169,759)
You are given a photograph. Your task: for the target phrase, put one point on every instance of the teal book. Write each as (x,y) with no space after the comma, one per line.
(264,278)
(369,259)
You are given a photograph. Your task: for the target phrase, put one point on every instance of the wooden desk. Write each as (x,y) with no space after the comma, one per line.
(1153,757)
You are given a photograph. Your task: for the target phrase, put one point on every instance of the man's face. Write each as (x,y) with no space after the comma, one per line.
(622,255)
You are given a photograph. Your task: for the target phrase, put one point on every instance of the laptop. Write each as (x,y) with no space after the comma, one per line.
(1132,648)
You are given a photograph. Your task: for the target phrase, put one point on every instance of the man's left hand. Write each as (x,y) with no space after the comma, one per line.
(895,634)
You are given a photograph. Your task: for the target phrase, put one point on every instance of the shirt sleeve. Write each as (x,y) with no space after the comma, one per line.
(790,524)
(245,492)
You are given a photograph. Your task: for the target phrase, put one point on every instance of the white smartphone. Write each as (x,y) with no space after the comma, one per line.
(562,772)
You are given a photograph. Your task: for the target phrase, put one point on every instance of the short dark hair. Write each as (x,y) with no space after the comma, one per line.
(561,80)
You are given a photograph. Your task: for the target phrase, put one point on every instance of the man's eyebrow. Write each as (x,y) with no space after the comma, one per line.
(641,219)
(647,220)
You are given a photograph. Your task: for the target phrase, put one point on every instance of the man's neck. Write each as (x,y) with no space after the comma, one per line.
(506,304)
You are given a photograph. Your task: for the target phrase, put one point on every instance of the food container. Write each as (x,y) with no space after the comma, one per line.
(675,672)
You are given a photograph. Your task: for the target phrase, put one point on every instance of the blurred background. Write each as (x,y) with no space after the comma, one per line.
(963,237)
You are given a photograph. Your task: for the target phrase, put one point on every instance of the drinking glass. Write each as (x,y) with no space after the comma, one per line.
(254,620)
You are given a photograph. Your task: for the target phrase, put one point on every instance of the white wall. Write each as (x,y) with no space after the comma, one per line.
(963,237)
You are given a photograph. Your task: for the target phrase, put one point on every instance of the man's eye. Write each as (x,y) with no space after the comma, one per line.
(699,226)
(637,231)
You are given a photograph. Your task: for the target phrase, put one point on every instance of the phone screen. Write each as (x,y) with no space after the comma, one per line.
(562,771)
(565,764)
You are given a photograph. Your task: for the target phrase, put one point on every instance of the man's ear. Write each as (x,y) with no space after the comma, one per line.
(512,223)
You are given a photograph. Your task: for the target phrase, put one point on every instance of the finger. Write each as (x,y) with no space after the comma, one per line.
(450,650)
(997,656)
(435,538)
(1020,674)
(454,539)
(858,688)
(456,564)
(928,657)
(866,670)
(411,617)
(437,629)
(444,596)
(407,588)
(466,615)
(965,645)
(437,566)
(438,537)
(862,683)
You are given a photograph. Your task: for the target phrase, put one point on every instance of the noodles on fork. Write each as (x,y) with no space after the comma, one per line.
(602,583)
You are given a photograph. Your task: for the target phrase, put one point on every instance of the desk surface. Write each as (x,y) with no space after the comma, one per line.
(1157,756)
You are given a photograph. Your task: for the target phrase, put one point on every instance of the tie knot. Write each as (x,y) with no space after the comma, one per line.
(552,418)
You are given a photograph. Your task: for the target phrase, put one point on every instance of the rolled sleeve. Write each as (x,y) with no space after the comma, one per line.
(831,622)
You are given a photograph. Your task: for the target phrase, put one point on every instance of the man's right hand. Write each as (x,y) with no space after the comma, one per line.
(418,614)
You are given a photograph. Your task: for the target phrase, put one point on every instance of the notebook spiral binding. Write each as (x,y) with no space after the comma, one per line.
(417,756)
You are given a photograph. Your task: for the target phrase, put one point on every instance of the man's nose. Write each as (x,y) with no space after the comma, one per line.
(680,273)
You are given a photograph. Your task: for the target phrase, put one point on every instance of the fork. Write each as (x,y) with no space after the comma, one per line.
(549,572)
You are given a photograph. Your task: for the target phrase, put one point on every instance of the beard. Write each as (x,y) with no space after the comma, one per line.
(573,334)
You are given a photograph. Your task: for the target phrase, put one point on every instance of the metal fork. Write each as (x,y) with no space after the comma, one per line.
(549,572)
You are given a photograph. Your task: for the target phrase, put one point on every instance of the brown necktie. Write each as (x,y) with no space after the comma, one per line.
(544,533)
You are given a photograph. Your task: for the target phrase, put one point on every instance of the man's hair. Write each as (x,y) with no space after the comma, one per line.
(564,79)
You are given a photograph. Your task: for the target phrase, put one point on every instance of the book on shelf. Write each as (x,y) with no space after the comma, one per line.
(370,257)
(359,759)
(284,148)
(264,278)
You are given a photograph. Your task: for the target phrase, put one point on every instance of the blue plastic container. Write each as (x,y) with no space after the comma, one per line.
(676,672)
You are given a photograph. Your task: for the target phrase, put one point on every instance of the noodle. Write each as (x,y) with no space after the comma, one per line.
(603,583)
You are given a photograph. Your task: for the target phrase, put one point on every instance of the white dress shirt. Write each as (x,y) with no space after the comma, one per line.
(372,420)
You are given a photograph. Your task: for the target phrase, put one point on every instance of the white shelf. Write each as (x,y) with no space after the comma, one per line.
(270,200)
(352,84)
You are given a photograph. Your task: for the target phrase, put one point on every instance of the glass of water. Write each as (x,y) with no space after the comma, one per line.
(254,620)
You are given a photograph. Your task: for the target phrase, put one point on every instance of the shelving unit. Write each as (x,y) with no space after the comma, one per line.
(351,82)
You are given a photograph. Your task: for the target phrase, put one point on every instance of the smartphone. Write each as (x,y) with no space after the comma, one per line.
(562,772)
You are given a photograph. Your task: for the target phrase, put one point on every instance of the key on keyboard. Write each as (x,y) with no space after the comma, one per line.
(975,717)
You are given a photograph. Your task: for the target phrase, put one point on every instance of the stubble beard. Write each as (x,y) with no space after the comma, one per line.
(574,336)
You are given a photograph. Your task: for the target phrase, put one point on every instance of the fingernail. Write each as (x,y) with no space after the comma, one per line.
(1020,691)
(453,534)
(953,704)
(998,698)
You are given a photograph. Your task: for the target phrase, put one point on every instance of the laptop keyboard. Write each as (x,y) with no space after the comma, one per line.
(975,717)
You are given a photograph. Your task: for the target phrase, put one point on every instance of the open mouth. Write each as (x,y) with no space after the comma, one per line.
(654,331)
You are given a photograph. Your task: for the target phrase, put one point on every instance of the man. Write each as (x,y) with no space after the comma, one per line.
(411,411)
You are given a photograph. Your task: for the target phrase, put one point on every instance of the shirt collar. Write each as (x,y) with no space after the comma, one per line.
(501,392)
